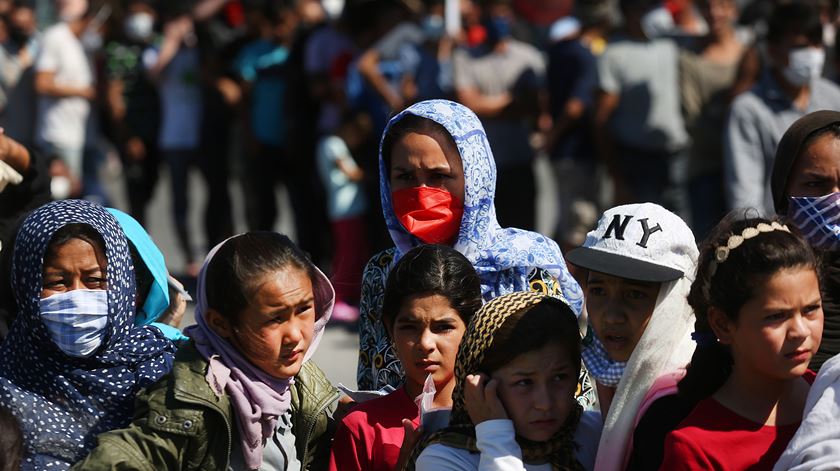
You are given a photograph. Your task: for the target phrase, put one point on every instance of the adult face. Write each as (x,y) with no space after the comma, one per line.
(780,51)
(427,159)
(426,334)
(537,389)
(75,264)
(816,172)
(779,329)
(276,328)
(619,310)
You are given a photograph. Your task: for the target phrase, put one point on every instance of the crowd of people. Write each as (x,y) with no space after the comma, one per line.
(696,149)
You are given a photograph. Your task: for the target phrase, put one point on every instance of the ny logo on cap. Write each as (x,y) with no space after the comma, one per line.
(618,226)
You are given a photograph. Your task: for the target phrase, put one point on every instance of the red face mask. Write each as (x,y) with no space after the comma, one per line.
(430,214)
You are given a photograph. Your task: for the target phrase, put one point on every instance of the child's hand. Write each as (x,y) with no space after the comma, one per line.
(481,399)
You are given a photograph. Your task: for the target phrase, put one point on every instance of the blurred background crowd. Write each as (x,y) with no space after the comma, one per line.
(680,102)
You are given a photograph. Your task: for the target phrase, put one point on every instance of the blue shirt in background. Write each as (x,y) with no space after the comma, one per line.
(263,64)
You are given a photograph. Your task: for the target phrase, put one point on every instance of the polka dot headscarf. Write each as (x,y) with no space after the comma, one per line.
(62,402)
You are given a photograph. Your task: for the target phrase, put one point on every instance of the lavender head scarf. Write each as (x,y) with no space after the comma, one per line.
(258,399)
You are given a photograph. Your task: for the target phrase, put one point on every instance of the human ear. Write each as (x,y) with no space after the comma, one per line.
(219,323)
(721,325)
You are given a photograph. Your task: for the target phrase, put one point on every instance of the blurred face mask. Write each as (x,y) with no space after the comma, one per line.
(818,218)
(804,65)
(76,320)
(498,28)
(433,27)
(139,27)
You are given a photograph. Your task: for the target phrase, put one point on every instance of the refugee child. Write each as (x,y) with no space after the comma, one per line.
(759,323)
(430,296)
(514,402)
(342,179)
(641,260)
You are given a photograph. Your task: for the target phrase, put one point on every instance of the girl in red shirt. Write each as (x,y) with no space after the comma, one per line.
(430,296)
(759,322)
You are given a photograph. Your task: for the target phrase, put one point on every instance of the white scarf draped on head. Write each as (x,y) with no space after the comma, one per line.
(258,399)
(665,346)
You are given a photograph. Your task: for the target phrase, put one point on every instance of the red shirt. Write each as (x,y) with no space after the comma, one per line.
(715,437)
(369,438)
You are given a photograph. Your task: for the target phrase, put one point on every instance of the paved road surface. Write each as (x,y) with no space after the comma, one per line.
(338,351)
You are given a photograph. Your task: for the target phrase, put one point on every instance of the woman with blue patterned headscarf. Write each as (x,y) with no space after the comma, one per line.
(437,180)
(73,360)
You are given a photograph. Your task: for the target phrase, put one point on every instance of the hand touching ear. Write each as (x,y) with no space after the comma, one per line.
(481,400)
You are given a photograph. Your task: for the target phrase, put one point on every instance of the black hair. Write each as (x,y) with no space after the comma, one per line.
(794,18)
(551,320)
(408,124)
(239,264)
(730,284)
(832,129)
(81,231)
(432,269)
(11,441)
(142,275)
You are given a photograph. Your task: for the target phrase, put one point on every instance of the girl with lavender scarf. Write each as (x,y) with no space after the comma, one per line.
(242,394)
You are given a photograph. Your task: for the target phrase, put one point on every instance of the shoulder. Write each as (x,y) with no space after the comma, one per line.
(312,381)
(748,105)
(438,456)
(587,437)
(380,263)
(387,411)
(827,89)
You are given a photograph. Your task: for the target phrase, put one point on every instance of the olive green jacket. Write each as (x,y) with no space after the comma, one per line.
(180,424)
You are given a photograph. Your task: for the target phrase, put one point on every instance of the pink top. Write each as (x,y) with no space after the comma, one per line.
(369,438)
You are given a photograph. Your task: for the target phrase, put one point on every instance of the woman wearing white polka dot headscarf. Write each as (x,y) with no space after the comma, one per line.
(73,361)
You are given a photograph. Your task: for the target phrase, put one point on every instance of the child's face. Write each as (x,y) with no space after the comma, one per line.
(619,310)
(537,389)
(427,332)
(780,328)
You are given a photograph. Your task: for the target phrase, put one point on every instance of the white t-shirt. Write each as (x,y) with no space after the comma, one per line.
(62,121)
(499,451)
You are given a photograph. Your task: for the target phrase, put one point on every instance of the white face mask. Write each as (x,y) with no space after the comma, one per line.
(76,320)
(139,27)
(804,65)
(657,22)
(91,40)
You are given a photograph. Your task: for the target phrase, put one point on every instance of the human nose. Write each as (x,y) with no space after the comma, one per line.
(614,313)
(798,328)
(294,334)
(426,341)
(75,283)
(542,398)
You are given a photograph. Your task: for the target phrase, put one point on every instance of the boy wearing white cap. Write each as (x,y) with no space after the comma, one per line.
(641,260)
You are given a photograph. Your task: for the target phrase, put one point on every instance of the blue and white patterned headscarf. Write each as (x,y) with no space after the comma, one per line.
(502,257)
(62,403)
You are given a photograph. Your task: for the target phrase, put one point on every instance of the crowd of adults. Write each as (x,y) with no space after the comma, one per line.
(696,326)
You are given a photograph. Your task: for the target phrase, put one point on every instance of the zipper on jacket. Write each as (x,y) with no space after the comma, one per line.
(313,420)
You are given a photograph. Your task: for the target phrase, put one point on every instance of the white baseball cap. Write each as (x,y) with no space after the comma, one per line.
(643,242)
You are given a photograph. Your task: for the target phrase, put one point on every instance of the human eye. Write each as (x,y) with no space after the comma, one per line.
(775,317)
(560,377)
(444,327)
(523,383)
(404,176)
(596,290)
(636,294)
(812,309)
(53,282)
(304,309)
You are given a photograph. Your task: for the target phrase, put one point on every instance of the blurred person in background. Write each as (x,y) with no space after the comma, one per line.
(707,72)
(502,80)
(572,83)
(64,83)
(640,129)
(428,65)
(133,104)
(17,74)
(264,73)
(789,86)
(175,66)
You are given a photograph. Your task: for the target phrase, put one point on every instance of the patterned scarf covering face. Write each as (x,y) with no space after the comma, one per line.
(258,399)
(559,451)
(502,257)
(63,403)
